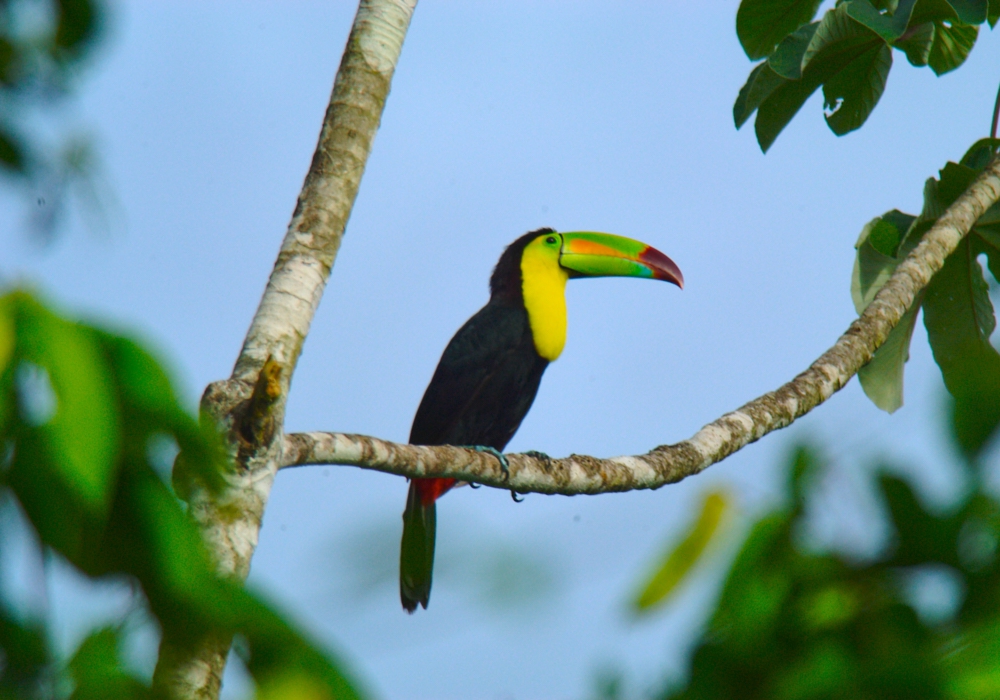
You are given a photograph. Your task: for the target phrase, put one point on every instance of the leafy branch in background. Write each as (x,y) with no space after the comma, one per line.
(84,415)
(802,622)
(957,309)
(848,52)
(43,46)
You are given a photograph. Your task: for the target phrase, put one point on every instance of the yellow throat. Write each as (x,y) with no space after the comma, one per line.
(543,284)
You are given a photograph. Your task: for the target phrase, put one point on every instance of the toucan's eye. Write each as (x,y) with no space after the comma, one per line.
(550,239)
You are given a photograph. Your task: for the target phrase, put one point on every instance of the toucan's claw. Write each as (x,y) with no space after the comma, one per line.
(473,484)
(504,464)
(538,455)
(513,494)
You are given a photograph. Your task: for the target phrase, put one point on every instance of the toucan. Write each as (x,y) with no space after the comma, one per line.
(489,373)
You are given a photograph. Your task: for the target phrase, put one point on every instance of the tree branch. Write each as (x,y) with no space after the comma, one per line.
(666,464)
(249,407)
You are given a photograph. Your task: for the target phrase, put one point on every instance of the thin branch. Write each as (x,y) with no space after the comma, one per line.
(253,420)
(670,463)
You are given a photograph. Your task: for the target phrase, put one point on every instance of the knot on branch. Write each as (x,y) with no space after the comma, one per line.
(254,421)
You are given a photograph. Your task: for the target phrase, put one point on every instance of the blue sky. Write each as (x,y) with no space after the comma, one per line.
(503,117)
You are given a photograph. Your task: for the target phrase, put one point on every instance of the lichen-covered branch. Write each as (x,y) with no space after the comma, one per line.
(667,464)
(249,407)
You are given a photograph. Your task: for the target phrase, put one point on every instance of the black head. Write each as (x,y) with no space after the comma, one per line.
(505,283)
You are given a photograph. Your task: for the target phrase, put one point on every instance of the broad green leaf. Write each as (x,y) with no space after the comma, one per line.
(80,442)
(951,46)
(12,156)
(973,671)
(851,95)
(758,585)
(980,153)
(921,536)
(838,40)
(881,247)
(26,655)
(970,11)
(959,318)
(876,259)
(917,45)
(79,21)
(786,60)
(784,102)
(993,13)
(882,378)
(761,24)
(99,672)
(148,396)
(837,43)
(684,555)
(761,83)
(888,26)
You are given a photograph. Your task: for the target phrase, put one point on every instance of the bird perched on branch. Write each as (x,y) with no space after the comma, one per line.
(489,374)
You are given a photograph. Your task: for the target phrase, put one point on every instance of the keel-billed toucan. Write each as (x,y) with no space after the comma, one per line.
(489,373)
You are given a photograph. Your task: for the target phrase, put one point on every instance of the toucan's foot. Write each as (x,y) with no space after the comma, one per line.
(513,494)
(538,455)
(504,464)
(473,484)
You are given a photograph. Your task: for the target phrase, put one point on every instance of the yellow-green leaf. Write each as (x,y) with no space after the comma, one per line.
(682,558)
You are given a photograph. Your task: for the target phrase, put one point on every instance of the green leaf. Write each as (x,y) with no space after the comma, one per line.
(882,378)
(12,156)
(98,671)
(951,46)
(25,652)
(78,23)
(851,95)
(881,246)
(837,43)
(876,260)
(854,62)
(839,39)
(970,11)
(917,45)
(777,110)
(684,555)
(786,60)
(980,154)
(761,83)
(959,318)
(993,13)
(758,585)
(761,24)
(79,443)
(920,536)
(888,26)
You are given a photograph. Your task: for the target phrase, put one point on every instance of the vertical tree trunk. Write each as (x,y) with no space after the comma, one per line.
(249,407)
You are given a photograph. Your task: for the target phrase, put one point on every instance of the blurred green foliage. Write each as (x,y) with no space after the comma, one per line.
(80,411)
(808,625)
(848,51)
(44,45)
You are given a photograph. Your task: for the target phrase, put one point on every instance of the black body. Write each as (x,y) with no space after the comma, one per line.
(484,384)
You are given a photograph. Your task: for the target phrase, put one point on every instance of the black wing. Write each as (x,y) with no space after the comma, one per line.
(484,383)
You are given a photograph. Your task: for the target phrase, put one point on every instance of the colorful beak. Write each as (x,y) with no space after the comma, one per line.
(587,254)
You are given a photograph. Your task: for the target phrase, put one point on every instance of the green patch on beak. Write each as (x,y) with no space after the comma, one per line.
(589,254)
